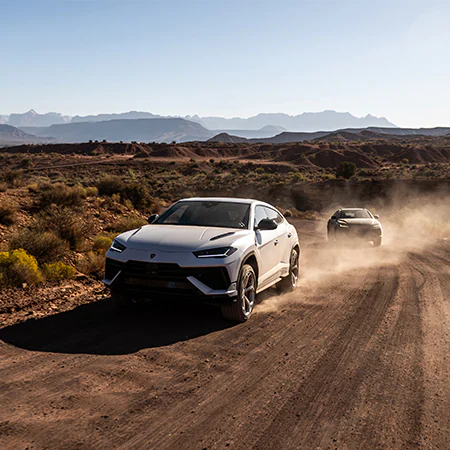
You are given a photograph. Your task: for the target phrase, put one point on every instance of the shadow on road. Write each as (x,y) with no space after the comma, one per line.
(98,328)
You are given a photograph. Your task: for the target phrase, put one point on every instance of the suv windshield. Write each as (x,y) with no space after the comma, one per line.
(207,214)
(355,214)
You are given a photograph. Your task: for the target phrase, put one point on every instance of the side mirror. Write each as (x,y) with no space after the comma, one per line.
(267,224)
(152,218)
(376,216)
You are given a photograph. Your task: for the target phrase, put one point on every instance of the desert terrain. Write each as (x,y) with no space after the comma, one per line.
(356,356)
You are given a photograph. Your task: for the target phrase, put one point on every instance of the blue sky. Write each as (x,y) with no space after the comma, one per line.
(229,58)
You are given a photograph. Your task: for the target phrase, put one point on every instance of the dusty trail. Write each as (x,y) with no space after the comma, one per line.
(356,357)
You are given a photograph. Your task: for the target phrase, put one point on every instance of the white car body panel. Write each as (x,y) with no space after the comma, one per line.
(164,243)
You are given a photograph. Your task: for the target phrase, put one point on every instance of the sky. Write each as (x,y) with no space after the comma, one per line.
(228,58)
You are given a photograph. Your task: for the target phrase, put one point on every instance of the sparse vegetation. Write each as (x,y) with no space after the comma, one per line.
(45,246)
(7,213)
(70,215)
(346,169)
(61,195)
(58,271)
(18,267)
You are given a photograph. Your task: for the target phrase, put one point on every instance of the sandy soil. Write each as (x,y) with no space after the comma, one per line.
(356,357)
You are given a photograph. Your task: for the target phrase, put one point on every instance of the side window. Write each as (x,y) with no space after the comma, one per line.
(273,215)
(335,215)
(260,214)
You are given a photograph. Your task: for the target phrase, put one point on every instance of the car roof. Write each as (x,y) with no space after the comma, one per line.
(223,199)
(353,209)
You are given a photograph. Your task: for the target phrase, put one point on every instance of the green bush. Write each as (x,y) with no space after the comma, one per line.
(58,271)
(7,213)
(45,246)
(61,195)
(17,267)
(345,169)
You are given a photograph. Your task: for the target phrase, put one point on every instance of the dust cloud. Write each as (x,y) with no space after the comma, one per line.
(411,225)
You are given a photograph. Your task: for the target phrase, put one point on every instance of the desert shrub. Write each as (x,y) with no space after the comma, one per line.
(58,271)
(138,195)
(91,191)
(110,184)
(7,213)
(298,177)
(12,177)
(26,163)
(45,246)
(405,161)
(126,223)
(3,187)
(288,213)
(17,267)
(92,264)
(101,244)
(345,169)
(33,188)
(61,195)
(66,224)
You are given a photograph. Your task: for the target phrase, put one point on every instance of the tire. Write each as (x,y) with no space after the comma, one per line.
(288,283)
(377,242)
(241,309)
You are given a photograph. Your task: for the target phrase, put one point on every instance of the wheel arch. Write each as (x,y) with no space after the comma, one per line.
(251,260)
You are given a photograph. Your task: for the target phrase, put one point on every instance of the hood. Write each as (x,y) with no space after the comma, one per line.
(351,222)
(178,238)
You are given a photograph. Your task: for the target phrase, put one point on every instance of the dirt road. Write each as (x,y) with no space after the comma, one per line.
(357,357)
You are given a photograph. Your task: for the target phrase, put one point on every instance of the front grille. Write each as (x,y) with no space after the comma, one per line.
(165,275)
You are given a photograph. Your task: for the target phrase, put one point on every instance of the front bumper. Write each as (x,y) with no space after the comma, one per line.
(359,232)
(150,279)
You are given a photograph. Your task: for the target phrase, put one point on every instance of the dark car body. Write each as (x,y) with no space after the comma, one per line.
(348,224)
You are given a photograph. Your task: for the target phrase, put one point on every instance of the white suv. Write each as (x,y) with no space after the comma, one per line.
(223,250)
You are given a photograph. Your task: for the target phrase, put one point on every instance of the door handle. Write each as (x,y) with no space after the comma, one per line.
(276,242)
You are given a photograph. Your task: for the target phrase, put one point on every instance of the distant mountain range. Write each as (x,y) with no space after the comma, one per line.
(344,135)
(127,130)
(326,120)
(10,135)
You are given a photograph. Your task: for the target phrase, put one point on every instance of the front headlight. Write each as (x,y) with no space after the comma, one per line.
(342,225)
(221,252)
(117,246)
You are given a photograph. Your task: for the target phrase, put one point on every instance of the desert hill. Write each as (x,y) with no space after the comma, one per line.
(317,153)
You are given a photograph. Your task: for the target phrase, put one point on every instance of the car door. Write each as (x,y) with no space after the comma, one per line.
(267,246)
(284,242)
